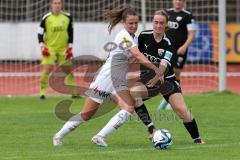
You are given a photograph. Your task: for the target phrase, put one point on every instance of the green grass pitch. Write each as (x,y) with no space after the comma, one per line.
(27,125)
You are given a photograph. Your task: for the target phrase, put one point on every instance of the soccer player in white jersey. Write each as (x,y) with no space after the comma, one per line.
(111,79)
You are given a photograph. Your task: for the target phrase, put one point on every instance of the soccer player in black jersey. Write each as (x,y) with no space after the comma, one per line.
(155,45)
(181,31)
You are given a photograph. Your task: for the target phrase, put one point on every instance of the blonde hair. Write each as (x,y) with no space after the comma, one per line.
(162,13)
(115,16)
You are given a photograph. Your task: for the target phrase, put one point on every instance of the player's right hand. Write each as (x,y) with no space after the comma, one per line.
(44,50)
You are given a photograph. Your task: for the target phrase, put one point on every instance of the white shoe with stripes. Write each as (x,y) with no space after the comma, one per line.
(57,141)
(99,140)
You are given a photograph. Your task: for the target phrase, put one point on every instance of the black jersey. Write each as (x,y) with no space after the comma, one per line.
(179,24)
(155,51)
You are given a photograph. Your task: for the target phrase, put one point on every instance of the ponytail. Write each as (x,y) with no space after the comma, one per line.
(117,15)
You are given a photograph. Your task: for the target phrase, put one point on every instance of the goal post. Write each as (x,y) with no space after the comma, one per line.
(222,46)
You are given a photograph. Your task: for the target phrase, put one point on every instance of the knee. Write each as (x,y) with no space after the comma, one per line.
(85,116)
(129,107)
(138,102)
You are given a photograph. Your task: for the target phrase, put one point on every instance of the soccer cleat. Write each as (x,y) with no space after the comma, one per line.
(198,141)
(42,97)
(99,140)
(150,136)
(57,141)
(168,107)
(164,105)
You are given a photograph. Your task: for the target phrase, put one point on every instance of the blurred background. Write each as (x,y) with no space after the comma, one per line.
(20,53)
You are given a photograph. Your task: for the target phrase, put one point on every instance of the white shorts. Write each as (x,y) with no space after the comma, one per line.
(104,87)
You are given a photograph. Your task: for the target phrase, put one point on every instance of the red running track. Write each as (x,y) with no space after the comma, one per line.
(194,79)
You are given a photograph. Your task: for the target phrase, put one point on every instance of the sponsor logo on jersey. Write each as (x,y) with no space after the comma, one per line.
(160,52)
(126,43)
(103,94)
(178,18)
(62,22)
(57,29)
(146,45)
(173,25)
(152,58)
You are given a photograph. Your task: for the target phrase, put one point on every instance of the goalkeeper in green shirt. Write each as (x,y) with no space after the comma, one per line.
(55,36)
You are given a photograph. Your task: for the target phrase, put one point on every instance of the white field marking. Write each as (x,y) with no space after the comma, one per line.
(194,147)
(80,74)
(31,112)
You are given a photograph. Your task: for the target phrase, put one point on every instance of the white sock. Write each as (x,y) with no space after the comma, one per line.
(116,121)
(69,126)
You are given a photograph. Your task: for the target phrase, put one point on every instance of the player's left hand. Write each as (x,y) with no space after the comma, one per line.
(69,54)
(152,82)
(181,50)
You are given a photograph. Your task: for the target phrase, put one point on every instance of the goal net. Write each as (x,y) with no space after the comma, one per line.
(20,54)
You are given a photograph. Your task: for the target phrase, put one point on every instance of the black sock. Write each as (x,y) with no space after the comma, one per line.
(143,114)
(192,128)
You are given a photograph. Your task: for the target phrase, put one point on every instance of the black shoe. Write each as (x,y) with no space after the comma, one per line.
(76,97)
(198,141)
(42,97)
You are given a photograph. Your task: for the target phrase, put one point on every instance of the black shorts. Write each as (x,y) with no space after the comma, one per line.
(180,59)
(176,88)
(169,87)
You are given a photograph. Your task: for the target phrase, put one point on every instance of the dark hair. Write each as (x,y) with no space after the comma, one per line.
(115,16)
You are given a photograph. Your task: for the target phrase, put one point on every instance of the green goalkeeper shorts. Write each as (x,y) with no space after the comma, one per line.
(58,57)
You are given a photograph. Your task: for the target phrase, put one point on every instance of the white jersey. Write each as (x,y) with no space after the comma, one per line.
(117,61)
(111,78)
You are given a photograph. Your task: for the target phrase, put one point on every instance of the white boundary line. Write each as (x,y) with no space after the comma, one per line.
(185,74)
(104,151)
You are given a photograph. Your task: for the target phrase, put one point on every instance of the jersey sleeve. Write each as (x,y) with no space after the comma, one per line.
(125,41)
(70,30)
(41,30)
(170,55)
(191,23)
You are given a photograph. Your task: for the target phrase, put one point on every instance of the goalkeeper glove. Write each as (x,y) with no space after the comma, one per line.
(44,50)
(69,53)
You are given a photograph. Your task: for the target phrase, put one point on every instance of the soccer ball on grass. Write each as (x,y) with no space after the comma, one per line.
(162,139)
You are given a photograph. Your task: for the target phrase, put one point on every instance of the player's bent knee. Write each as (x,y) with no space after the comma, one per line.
(86,116)
(129,108)
(138,102)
